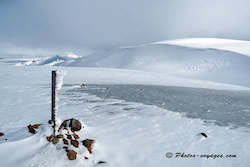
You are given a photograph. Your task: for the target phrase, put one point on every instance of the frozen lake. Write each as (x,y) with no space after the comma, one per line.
(224,108)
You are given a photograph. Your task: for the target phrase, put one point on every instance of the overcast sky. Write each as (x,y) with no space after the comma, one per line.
(109,23)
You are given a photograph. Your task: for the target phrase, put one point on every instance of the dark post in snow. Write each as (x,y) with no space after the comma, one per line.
(53,102)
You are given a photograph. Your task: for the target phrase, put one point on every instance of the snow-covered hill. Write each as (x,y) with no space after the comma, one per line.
(197,63)
(238,46)
(208,59)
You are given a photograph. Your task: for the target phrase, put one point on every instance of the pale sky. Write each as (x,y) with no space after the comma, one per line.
(109,23)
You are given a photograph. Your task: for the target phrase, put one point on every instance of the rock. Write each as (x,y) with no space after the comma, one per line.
(55,140)
(66,149)
(65,142)
(69,136)
(31,129)
(71,154)
(59,136)
(88,144)
(36,126)
(63,125)
(204,134)
(49,138)
(76,136)
(75,125)
(75,143)
(101,162)
(1,133)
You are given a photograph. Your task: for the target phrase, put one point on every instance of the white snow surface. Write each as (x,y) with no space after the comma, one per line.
(140,136)
(239,46)
(127,134)
(65,59)
(60,74)
(207,64)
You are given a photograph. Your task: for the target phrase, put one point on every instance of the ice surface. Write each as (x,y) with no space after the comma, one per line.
(221,107)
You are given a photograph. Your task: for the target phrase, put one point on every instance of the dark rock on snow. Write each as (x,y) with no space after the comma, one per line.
(74,124)
(55,140)
(88,144)
(75,143)
(65,142)
(49,137)
(31,129)
(71,154)
(204,134)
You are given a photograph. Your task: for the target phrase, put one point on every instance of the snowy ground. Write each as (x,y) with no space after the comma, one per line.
(135,123)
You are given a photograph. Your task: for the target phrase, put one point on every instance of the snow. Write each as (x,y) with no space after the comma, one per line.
(207,64)
(239,46)
(71,55)
(29,62)
(65,58)
(139,103)
(60,74)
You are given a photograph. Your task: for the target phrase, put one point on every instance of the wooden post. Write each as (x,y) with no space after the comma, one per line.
(53,102)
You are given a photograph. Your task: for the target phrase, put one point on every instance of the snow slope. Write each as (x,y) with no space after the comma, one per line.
(209,59)
(239,46)
(194,63)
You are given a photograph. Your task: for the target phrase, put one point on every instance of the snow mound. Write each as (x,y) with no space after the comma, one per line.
(63,59)
(195,63)
(239,46)
(53,61)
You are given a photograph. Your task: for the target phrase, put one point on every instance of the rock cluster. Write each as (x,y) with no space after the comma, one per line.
(67,137)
